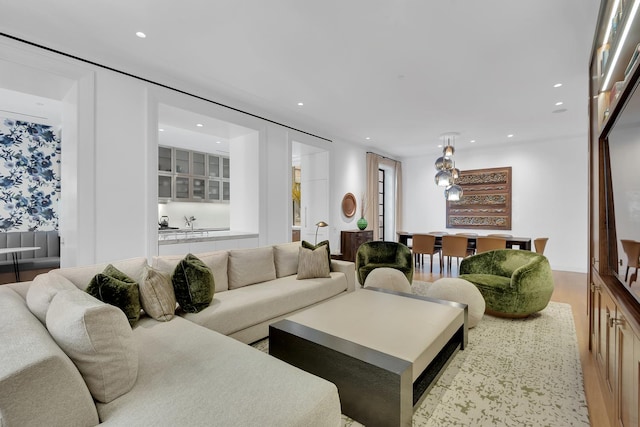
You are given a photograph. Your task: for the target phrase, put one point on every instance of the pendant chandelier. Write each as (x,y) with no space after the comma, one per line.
(445,165)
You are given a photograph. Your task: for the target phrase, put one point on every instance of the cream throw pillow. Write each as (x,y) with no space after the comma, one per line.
(313,263)
(99,340)
(157,297)
(286,259)
(249,266)
(42,291)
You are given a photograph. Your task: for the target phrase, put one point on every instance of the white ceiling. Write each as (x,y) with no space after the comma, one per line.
(399,72)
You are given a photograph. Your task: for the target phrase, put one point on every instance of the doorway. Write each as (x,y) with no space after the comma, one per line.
(310,199)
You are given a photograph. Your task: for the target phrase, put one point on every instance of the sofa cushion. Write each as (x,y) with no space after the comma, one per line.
(157,297)
(39,384)
(249,266)
(286,258)
(189,375)
(193,284)
(42,291)
(313,263)
(216,261)
(116,288)
(81,276)
(242,308)
(98,338)
(308,245)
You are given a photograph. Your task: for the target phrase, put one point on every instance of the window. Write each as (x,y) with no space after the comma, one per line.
(381,193)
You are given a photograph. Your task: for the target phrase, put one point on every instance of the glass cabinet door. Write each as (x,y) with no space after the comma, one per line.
(198,164)
(182,161)
(182,188)
(214,190)
(164,186)
(164,159)
(226,193)
(214,166)
(198,188)
(225,167)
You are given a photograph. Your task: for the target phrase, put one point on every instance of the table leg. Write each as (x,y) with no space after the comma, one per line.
(16,268)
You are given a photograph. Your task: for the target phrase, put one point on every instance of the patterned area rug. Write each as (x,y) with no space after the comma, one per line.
(523,372)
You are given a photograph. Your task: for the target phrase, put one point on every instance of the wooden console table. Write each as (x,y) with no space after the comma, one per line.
(350,241)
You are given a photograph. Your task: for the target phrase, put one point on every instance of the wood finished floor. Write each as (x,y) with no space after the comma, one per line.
(570,288)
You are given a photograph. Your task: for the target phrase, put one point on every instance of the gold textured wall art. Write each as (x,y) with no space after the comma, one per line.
(485,202)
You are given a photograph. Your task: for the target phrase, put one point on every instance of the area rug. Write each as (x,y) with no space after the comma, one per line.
(514,372)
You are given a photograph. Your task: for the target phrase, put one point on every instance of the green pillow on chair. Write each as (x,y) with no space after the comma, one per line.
(114,287)
(193,284)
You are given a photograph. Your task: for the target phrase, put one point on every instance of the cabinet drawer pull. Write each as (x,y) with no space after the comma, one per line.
(614,322)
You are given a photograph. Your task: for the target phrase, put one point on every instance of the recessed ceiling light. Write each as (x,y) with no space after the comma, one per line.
(141,34)
(510,135)
(218,142)
(439,145)
(300,104)
(559,103)
(557,85)
(199,125)
(472,141)
(367,138)
(161,130)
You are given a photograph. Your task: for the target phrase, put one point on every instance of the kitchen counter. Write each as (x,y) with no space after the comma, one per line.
(186,235)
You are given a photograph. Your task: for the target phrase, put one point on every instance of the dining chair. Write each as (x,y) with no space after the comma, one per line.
(485,244)
(540,244)
(506,236)
(453,246)
(471,244)
(424,244)
(632,249)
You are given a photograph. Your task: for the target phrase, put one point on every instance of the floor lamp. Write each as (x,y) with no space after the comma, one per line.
(318,225)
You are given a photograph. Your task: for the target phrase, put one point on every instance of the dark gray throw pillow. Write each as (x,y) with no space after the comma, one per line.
(193,284)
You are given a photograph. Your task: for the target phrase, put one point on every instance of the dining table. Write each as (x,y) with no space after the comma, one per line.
(14,257)
(523,243)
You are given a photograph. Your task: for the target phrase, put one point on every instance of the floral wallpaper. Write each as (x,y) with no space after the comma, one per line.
(29,176)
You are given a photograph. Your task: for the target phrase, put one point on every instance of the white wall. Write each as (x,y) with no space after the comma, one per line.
(549,195)
(122,179)
(243,180)
(348,175)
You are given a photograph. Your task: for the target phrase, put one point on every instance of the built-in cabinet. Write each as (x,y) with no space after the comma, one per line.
(350,241)
(614,311)
(191,176)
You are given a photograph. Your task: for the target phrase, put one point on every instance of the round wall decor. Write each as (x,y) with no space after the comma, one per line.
(349,205)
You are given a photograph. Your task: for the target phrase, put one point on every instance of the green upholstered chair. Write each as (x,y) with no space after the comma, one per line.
(376,254)
(514,283)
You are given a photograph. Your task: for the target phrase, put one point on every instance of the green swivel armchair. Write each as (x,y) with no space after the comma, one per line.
(514,283)
(376,254)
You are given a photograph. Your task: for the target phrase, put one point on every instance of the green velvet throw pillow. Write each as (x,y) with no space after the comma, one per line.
(116,288)
(193,284)
(308,245)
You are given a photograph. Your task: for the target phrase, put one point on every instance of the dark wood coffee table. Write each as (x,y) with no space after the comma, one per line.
(382,349)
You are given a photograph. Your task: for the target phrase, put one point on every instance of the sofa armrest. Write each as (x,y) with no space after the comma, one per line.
(349,270)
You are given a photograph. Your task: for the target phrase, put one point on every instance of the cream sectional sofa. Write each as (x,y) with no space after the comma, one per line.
(189,370)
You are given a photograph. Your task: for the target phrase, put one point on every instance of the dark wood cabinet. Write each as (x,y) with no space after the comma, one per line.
(613,300)
(350,241)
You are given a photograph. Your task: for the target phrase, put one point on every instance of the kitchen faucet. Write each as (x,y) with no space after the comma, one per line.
(189,221)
